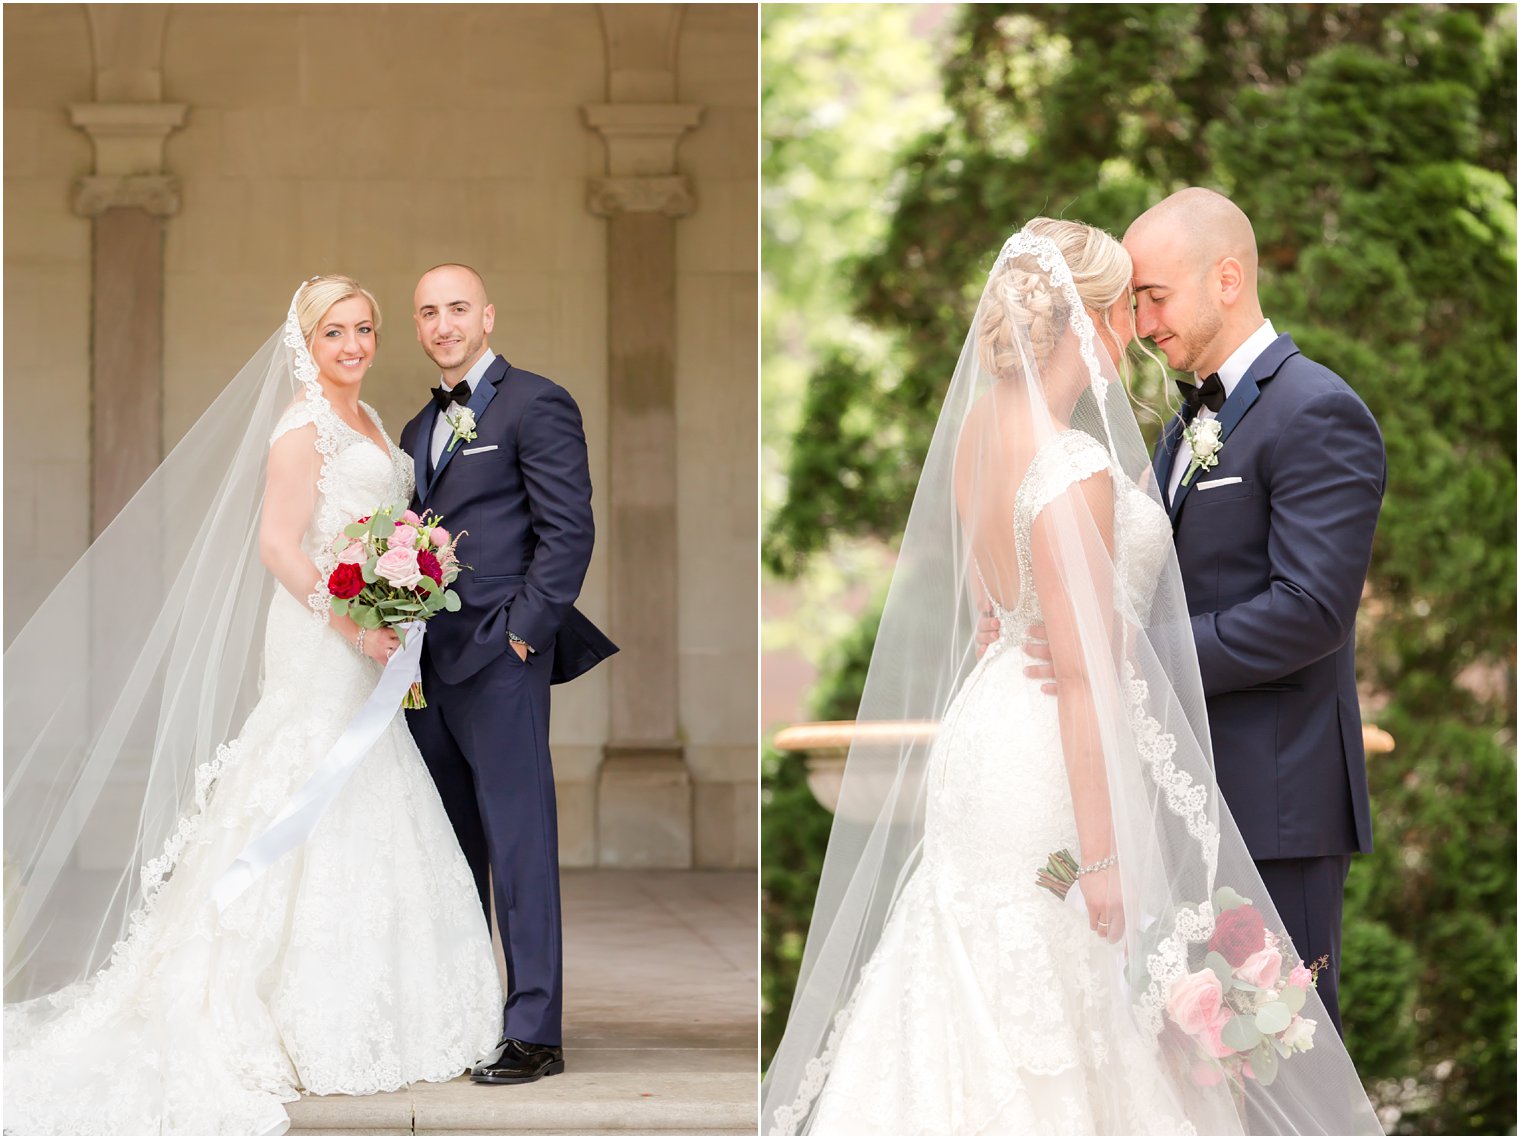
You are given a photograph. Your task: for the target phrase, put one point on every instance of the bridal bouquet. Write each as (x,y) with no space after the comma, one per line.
(1244,1007)
(395,570)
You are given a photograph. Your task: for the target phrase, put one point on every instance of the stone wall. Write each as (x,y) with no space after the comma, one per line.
(377,141)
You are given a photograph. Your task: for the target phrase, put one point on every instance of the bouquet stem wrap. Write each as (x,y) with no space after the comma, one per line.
(294,824)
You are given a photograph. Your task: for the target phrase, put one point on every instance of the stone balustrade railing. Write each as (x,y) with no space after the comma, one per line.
(826,743)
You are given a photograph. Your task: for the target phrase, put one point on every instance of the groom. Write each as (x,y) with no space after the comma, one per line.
(500,454)
(1273,542)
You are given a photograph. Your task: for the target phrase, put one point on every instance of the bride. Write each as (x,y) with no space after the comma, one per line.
(356,963)
(948,985)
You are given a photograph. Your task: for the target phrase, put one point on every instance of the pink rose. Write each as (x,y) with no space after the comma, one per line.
(1301,977)
(399,567)
(403,538)
(354,555)
(1194,1001)
(1212,1037)
(410,519)
(440,537)
(1261,969)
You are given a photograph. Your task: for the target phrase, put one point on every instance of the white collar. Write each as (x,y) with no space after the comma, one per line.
(1233,369)
(477,370)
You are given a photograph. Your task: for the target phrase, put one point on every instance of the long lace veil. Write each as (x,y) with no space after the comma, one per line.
(1036,394)
(123,685)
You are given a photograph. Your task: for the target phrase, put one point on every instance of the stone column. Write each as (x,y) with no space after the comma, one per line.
(644,795)
(128,196)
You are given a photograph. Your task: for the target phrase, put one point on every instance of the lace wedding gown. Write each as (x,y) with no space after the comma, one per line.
(989,1007)
(357,963)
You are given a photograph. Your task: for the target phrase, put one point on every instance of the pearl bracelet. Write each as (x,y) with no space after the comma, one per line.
(1102,864)
(359,641)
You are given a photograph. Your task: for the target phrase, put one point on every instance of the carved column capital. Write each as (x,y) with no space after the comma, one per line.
(157,194)
(642,137)
(672,196)
(128,137)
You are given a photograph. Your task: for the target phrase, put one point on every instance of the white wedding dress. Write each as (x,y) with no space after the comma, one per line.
(357,963)
(989,1006)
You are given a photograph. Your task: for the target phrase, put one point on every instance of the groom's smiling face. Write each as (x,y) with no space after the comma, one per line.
(1173,306)
(452,315)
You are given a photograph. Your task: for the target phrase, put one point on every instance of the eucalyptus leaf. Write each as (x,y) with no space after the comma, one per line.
(1240,1033)
(1221,968)
(1293,997)
(340,606)
(1264,1063)
(356,529)
(1227,899)
(451,601)
(1273,1018)
(369,619)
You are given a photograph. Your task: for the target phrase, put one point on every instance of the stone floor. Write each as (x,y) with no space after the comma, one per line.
(661,993)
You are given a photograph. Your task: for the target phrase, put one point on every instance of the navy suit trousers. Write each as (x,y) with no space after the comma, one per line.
(1309,894)
(486,742)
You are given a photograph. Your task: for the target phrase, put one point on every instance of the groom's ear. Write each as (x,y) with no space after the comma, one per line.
(488,318)
(1232,278)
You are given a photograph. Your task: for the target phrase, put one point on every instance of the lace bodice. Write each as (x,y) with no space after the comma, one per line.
(1142,534)
(357,478)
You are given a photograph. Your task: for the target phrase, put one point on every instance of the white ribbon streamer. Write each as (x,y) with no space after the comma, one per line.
(294,824)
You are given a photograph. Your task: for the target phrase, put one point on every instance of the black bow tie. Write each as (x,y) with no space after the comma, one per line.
(1209,394)
(459,393)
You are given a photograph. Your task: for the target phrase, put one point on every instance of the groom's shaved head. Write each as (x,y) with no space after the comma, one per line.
(1203,226)
(468,270)
(1194,258)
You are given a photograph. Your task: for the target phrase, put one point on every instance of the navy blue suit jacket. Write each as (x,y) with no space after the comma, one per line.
(522,491)
(1273,568)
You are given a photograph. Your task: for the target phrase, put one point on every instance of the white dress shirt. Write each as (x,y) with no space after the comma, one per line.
(1230,374)
(441,429)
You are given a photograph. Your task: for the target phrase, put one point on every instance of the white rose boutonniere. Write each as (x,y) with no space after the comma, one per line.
(462,420)
(1203,437)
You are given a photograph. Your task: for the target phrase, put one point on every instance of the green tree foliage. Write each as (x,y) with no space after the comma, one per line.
(1374,149)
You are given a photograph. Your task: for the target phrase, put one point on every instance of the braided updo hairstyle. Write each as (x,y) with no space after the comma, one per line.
(1024,305)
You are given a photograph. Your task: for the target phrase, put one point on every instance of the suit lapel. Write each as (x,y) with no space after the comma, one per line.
(480,399)
(422,442)
(1166,452)
(1246,393)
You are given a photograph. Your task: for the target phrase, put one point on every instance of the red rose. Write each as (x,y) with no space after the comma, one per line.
(346,581)
(427,565)
(1239,933)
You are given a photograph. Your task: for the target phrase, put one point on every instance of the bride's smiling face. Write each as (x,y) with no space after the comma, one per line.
(343,345)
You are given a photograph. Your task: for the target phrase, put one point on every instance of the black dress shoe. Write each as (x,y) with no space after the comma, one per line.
(518,1062)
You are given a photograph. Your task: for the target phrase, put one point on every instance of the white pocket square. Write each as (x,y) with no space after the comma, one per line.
(1219,482)
(492,447)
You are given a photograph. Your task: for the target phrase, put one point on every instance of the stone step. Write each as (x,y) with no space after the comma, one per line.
(585,1103)
(660,1025)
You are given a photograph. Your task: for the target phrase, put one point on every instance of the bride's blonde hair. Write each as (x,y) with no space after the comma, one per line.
(320,294)
(1023,303)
